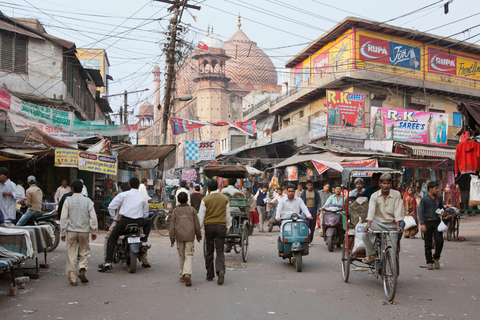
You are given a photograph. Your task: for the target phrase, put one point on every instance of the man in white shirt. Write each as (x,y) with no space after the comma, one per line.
(134,209)
(64,188)
(21,189)
(290,205)
(385,213)
(8,196)
(143,190)
(183,188)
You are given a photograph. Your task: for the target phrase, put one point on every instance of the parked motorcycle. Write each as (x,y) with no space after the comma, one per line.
(332,226)
(129,247)
(295,241)
(49,217)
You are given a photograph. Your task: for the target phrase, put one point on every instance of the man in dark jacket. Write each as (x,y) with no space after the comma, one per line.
(196,198)
(260,197)
(429,221)
(311,198)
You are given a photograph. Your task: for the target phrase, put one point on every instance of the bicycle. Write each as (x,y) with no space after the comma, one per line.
(161,222)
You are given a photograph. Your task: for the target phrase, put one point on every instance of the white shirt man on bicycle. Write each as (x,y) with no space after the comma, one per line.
(385,212)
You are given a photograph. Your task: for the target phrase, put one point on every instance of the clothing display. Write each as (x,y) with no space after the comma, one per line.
(474,191)
(467,157)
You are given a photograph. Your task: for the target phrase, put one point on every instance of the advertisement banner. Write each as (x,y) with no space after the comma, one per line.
(318,127)
(180,126)
(66,158)
(36,135)
(291,173)
(346,109)
(409,126)
(200,150)
(86,161)
(348,132)
(361,164)
(321,168)
(189,174)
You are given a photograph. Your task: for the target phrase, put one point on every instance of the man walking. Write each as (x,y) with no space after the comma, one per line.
(215,215)
(183,188)
(260,197)
(196,198)
(429,221)
(9,196)
(312,200)
(324,195)
(78,220)
(143,190)
(64,188)
(33,201)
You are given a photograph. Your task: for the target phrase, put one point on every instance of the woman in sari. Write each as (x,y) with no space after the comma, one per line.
(441,131)
(378,126)
(410,205)
(449,196)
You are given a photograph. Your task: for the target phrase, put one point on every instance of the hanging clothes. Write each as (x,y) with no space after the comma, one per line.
(450,178)
(474,199)
(432,175)
(449,196)
(467,157)
(464,136)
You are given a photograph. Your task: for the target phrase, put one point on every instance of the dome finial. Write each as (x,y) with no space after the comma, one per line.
(212,29)
(239,24)
(208,30)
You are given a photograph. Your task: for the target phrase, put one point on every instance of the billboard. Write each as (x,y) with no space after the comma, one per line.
(346,109)
(94,59)
(200,150)
(86,161)
(318,127)
(409,126)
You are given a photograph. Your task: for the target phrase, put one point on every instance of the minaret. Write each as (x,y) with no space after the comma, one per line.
(156,92)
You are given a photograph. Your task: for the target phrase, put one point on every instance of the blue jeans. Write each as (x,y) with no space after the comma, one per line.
(26,216)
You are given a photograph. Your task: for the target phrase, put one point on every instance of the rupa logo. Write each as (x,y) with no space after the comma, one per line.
(375,50)
(5,100)
(442,62)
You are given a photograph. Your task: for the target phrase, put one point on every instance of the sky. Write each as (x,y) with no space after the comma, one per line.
(134,32)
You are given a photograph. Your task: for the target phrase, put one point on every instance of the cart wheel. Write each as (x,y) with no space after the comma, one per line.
(457,227)
(237,247)
(346,259)
(244,243)
(330,243)
(451,229)
(298,261)
(390,274)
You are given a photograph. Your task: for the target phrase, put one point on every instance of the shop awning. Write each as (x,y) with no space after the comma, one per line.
(319,157)
(144,152)
(15,154)
(422,150)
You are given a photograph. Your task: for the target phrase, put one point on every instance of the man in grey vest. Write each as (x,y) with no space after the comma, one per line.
(78,220)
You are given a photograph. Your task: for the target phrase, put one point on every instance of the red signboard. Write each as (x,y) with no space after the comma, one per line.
(442,62)
(5,100)
(361,164)
(320,62)
(321,168)
(376,50)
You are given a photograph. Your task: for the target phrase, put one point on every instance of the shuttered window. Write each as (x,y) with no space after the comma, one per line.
(13,52)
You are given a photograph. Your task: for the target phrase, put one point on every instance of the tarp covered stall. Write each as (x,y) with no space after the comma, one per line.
(144,152)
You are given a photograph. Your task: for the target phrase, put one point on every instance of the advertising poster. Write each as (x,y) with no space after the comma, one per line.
(409,126)
(189,174)
(86,161)
(291,173)
(361,164)
(66,158)
(345,109)
(318,127)
(200,150)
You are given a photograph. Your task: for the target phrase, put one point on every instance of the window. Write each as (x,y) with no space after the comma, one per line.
(457,119)
(13,52)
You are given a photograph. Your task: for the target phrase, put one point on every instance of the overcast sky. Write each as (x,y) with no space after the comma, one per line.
(134,38)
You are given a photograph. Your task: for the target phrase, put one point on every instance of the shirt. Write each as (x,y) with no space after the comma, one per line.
(286,208)
(177,193)
(354,193)
(310,199)
(229,192)
(143,190)
(333,200)
(34,198)
(427,208)
(60,192)
(385,210)
(324,196)
(74,219)
(277,198)
(134,205)
(21,190)
(8,205)
(203,210)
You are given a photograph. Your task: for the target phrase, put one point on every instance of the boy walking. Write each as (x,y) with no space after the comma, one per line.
(183,229)
(78,219)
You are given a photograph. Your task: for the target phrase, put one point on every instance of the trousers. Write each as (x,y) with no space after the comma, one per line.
(429,235)
(77,246)
(26,216)
(369,238)
(312,223)
(215,237)
(261,216)
(185,255)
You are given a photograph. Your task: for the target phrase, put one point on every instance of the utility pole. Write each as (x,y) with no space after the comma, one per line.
(171,60)
(123,112)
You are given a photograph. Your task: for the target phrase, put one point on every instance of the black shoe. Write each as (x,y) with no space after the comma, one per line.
(209,278)
(147,265)
(105,268)
(221,277)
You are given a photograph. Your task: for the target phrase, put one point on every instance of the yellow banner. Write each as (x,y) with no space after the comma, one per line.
(66,158)
(86,161)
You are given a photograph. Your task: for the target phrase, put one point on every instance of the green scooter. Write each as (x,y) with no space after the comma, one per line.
(295,241)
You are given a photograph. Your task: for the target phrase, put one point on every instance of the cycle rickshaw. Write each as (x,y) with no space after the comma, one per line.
(237,235)
(386,266)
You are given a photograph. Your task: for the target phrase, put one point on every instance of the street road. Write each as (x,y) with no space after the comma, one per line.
(266,287)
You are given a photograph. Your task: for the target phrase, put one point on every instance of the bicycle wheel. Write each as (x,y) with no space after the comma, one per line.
(451,229)
(390,274)
(165,230)
(345,262)
(457,227)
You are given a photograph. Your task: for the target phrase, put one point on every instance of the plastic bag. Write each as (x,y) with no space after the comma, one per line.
(409,222)
(442,227)
(359,245)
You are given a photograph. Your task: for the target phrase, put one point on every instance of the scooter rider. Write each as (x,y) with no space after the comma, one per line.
(290,205)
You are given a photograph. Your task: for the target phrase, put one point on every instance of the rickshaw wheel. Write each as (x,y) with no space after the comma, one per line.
(346,260)
(298,261)
(244,243)
(390,274)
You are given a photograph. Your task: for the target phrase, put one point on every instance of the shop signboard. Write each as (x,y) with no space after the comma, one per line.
(372,163)
(318,127)
(348,132)
(86,161)
(409,126)
(189,174)
(200,150)
(345,109)
(321,168)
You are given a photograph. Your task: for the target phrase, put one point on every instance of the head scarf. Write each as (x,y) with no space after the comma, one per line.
(406,195)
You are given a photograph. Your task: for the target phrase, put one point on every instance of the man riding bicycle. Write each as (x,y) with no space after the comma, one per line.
(385,213)
(290,205)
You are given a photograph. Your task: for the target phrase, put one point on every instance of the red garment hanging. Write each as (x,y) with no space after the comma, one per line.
(467,157)
(464,136)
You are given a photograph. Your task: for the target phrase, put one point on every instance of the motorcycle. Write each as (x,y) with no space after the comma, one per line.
(332,226)
(42,218)
(273,222)
(129,247)
(295,241)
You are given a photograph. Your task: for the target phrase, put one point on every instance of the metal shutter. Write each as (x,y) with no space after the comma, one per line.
(13,52)
(21,54)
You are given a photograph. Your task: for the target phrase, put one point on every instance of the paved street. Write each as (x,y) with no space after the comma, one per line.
(266,287)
